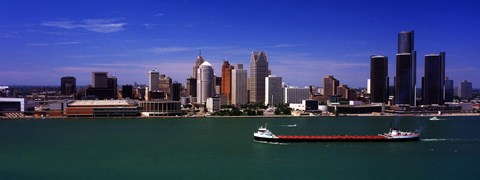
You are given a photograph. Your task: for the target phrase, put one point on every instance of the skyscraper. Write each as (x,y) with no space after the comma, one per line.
(434,79)
(405,80)
(330,85)
(405,42)
(165,84)
(176,89)
(153,80)
(258,73)
(295,94)
(68,85)
(239,85)
(191,87)
(205,82)
(113,85)
(226,86)
(406,70)
(198,62)
(273,90)
(449,91)
(99,79)
(379,79)
(465,90)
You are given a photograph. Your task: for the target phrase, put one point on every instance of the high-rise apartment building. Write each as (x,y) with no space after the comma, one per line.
(258,73)
(344,91)
(239,85)
(273,90)
(449,91)
(205,82)
(330,85)
(68,85)
(465,90)
(434,79)
(154,80)
(99,79)
(176,90)
(379,79)
(226,86)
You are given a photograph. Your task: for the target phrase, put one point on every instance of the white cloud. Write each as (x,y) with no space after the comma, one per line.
(54,44)
(159,14)
(165,50)
(95,25)
(8,35)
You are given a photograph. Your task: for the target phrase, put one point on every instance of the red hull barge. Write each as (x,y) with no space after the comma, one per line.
(264,135)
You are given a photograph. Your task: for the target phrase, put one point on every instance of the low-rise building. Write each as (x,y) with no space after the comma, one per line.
(160,108)
(101,108)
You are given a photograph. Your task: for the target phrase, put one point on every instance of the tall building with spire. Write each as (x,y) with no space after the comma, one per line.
(434,79)
(379,79)
(205,82)
(258,72)
(226,86)
(198,62)
(406,70)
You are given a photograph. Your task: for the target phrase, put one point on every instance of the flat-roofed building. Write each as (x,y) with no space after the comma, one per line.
(160,108)
(101,108)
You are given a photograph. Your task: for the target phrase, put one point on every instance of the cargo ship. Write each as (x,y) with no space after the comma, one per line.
(394,135)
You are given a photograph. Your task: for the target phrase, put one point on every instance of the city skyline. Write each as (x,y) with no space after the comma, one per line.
(40,42)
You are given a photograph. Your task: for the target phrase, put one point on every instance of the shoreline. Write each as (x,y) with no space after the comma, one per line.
(270,116)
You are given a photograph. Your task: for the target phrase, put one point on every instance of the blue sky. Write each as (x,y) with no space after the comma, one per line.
(41,41)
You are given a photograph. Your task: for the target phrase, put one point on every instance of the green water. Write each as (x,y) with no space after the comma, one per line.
(222,148)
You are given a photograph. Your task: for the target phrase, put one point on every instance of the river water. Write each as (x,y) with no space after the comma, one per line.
(223,148)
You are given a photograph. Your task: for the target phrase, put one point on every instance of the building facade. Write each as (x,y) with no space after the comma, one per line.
(127,91)
(239,85)
(405,80)
(344,92)
(226,86)
(68,85)
(154,80)
(434,79)
(258,73)
(465,90)
(295,94)
(100,79)
(273,90)
(205,82)
(330,85)
(379,81)
(449,91)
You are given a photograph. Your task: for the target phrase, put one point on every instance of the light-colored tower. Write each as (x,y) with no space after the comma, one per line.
(258,73)
(239,85)
(273,90)
(205,82)
(154,80)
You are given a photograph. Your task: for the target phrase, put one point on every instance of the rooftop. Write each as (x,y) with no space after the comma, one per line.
(101,103)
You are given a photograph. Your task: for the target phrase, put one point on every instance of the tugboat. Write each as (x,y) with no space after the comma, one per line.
(394,135)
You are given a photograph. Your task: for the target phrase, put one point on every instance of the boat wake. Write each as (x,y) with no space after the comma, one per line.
(289,125)
(450,139)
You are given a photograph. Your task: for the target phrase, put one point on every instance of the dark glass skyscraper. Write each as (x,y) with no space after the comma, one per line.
(448,90)
(258,72)
(405,79)
(379,79)
(434,79)
(405,42)
(68,85)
